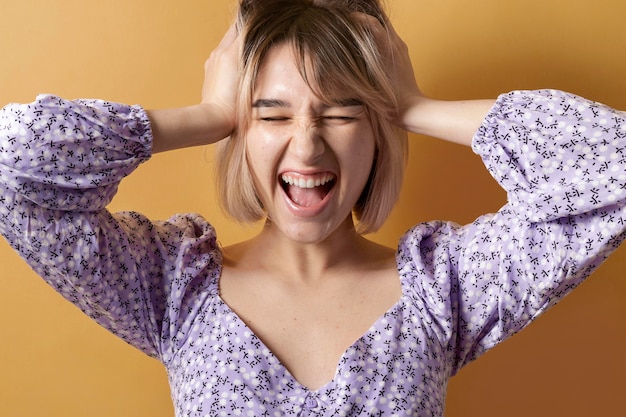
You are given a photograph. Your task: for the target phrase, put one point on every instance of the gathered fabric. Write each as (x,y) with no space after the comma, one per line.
(465,288)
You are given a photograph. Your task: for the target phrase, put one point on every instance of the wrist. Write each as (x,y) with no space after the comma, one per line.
(416,114)
(215,120)
(183,127)
(454,121)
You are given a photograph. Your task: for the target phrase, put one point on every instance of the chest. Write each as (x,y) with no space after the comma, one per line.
(309,328)
(223,365)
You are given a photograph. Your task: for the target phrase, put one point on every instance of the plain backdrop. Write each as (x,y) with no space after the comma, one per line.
(56,362)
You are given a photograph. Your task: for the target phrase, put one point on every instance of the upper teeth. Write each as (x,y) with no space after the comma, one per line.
(307,182)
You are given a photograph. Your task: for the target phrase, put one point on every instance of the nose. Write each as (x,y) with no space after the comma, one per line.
(307,142)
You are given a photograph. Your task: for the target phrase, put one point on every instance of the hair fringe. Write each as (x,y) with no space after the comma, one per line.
(309,26)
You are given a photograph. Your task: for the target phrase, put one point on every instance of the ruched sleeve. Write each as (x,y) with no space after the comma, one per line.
(60,164)
(71,155)
(554,153)
(562,161)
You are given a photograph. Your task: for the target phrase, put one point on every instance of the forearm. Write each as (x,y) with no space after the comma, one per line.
(454,121)
(184,127)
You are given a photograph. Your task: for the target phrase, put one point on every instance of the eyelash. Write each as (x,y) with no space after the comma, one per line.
(339,118)
(273,119)
(282,119)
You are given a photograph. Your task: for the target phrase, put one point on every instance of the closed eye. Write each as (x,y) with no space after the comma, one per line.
(338,120)
(273,119)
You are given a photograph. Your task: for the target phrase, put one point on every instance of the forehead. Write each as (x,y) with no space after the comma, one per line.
(280,77)
(278,72)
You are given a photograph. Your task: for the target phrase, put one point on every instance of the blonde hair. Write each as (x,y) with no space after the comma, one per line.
(335,50)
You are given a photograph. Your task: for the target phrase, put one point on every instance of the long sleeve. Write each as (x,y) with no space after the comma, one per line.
(554,153)
(70,155)
(60,164)
(562,161)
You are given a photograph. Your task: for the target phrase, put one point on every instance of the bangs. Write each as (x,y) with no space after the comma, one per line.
(337,56)
(338,73)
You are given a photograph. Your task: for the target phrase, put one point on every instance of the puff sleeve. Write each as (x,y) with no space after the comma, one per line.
(60,164)
(562,161)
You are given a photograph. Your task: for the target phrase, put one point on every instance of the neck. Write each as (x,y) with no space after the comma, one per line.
(343,250)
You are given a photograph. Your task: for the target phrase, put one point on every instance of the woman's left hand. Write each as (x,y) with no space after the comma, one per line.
(396,53)
(454,121)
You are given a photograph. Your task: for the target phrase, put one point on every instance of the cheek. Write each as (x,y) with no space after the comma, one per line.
(256,147)
(362,151)
(261,142)
(262,152)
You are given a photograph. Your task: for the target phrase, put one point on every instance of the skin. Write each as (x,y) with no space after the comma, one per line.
(293,133)
(332,283)
(214,118)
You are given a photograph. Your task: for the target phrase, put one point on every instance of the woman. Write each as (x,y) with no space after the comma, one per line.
(310,318)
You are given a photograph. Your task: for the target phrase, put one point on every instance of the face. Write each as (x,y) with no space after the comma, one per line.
(310,161)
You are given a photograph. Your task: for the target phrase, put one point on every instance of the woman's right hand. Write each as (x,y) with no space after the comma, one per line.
(214,118)
(221,78)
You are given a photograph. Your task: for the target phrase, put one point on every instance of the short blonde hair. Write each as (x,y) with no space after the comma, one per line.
(335,50)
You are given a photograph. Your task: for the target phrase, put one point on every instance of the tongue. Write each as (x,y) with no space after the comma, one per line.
(306,197)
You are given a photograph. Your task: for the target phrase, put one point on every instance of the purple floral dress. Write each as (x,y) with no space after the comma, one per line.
(155,284)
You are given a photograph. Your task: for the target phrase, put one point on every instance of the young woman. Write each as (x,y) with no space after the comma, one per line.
(309,101)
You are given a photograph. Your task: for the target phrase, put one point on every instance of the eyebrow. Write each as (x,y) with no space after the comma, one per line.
(349,102)
(269,102)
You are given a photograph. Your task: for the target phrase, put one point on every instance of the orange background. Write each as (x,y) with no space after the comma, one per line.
(56,362)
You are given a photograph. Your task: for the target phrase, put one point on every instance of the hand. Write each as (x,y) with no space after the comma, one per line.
(215,117)
(409,94)
(396,53)
(454,121)
(221,79)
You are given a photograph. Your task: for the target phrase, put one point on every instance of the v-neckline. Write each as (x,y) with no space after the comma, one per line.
(328,385)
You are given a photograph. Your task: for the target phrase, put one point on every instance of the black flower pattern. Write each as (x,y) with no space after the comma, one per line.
(465,288)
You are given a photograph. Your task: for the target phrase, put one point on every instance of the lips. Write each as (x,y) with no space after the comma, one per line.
(307,190)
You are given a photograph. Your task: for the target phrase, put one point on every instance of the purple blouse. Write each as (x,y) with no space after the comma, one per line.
(155,284)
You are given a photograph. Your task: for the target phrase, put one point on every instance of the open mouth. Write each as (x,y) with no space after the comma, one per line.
(307,190)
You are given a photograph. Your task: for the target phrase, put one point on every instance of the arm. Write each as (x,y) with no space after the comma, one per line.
(60,164)
(183,127)
(561,160)
(454,121)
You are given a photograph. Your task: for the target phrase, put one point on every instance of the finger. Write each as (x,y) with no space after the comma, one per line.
(371,22)
(385,34)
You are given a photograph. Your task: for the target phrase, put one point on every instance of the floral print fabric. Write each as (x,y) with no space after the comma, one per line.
(155,284)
